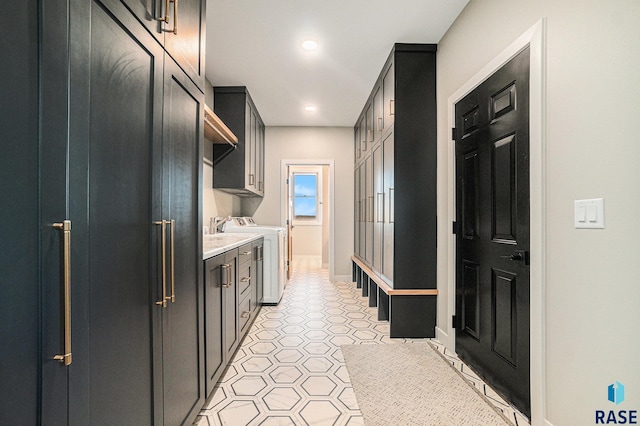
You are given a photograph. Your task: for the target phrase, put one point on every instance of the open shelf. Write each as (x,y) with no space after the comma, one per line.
(216,131)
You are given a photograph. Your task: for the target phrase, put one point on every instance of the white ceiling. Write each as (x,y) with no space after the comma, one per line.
(256,43)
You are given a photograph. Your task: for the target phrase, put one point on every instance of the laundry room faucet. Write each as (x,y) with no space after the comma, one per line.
(215,222)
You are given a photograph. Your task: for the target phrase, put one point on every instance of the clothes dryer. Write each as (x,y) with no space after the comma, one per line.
(275,263)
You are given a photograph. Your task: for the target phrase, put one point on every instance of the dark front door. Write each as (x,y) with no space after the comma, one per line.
(492,255)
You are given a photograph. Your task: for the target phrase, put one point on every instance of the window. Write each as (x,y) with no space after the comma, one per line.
(305,196)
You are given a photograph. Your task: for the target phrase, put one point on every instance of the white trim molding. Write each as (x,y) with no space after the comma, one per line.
(535,38)
(284,164)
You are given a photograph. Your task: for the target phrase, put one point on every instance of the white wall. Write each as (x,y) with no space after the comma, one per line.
(311,143)
(214,202)
(592,318)
(307,240)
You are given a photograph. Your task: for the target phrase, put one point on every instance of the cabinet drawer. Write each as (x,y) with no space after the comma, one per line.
(244,313)
(244,278)
(245,254)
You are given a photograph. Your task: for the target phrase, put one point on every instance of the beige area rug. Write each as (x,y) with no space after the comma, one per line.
(411,384)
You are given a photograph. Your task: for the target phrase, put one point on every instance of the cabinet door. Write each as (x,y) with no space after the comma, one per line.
(370,136)
(356,211)
(363,210)
(19,221)
(388,90)
(184,37)
(260,158)
(114,188)
(151,14)
(364,133)
(378,113)
(230,305)
(259,273)
(182,358)
(369,203)
(356,144)
(389,207)
(378,208)
(179,26)
(215,277)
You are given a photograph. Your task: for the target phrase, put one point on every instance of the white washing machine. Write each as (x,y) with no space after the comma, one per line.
(275,261)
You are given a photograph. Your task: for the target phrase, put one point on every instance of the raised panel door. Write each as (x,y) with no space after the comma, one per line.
(378,113)
(179,26)
(259,157)
(362,136)
(388,166)
(19,219)
(182,358)
(369,125)
(184,37)
(363,210)
(213,320)
(368,167)
(114,182)
(492,245)
(356,211)
(388,90)
(230,304)
(378,208)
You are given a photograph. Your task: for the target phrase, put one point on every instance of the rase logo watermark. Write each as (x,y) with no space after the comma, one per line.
(615,395)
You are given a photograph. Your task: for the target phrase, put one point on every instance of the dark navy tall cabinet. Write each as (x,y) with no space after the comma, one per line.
(102,127)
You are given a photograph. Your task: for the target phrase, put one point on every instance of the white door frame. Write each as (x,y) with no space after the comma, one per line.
(284,164)
(535,38)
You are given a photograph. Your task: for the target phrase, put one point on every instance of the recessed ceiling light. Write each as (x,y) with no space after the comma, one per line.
(309,44)
(309,108)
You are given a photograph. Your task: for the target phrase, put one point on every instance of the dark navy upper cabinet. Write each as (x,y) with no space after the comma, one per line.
(240,172)
(180,27)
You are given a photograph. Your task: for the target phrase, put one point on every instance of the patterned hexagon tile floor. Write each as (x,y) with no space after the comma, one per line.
(289,369)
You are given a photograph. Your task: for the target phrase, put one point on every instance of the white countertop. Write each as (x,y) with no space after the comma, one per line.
(214,244)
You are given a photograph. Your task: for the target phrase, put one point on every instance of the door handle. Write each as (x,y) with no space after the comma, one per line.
(172,224)
(226,282)
(518,256)
(164,18)
(175,16)
(163,301)
(65,227)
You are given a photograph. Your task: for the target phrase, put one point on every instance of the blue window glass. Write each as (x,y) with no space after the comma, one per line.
(305,195)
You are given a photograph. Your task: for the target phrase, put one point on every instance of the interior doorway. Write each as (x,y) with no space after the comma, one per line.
(492,230)
(534,38)
(307,208)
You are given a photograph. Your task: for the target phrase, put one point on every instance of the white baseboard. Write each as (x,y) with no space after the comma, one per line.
(442,337)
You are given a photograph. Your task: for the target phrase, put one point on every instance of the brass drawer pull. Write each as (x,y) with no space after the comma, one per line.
(165,18)
(163,239)
(226,283)
(65,227)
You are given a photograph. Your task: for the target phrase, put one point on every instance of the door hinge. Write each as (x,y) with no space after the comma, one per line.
(454,321)
(287,222)
(453,133)
(287,181)
(454,227)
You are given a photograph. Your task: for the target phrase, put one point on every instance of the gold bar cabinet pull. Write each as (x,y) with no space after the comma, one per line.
(165,18)
(225,270)
(172,223)
(163,301)
(65,227)
(175,16)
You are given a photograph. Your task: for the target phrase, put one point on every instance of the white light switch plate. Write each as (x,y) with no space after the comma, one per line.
(589,214)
